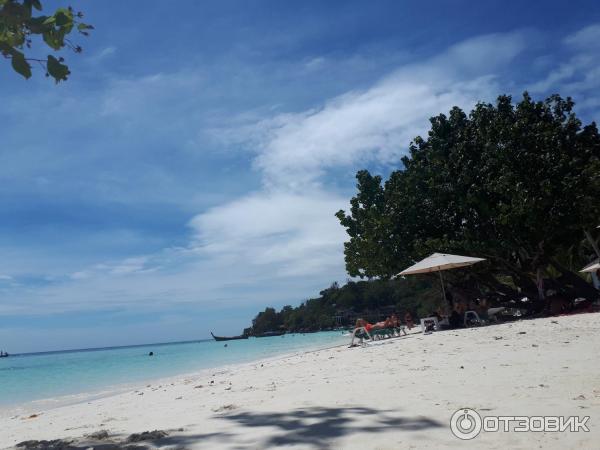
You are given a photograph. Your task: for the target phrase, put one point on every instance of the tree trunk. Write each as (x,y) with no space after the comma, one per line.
(580,286)
(592,242)
(539,282)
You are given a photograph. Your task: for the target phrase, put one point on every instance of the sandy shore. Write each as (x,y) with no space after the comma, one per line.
(398,393)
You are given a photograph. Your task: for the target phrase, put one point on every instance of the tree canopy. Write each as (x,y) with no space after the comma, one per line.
(518,184)
(341,305)
(20,27)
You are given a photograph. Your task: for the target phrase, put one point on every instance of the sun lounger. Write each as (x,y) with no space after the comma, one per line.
(472,319)
(427,321)
(376,334)
(384,333)
(361,334)
(494,312)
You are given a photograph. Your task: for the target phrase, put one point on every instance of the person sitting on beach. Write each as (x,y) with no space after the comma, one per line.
(455,319)
(435,314)
(409,320)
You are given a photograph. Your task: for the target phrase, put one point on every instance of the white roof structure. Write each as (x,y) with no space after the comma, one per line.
(440,261)
(592,267)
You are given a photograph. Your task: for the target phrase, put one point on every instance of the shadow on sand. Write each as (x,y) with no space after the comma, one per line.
(319,427)
(315,428)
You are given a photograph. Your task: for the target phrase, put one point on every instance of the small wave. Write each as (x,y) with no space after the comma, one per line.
(2,369)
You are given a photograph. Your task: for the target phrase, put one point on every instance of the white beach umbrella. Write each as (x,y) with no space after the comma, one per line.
(438,262)
(592,267)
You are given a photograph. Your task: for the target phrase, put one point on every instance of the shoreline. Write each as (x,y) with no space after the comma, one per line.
(49,403)
(400,392)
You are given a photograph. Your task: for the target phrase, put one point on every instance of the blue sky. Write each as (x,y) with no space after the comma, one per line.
(187,174)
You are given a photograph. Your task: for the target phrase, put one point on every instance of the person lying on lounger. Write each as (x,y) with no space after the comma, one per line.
(362,323)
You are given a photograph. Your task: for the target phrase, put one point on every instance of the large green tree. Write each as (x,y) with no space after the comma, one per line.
(21,27)
(516,183)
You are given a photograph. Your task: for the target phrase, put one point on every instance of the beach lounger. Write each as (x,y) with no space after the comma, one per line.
(361,334)
(472,319)
(429,320)
(385,333)
(494,312)
(376,334)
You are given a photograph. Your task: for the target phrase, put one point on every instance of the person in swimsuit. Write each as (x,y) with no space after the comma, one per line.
(362,323)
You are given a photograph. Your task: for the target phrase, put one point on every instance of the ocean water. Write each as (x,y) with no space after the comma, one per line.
(37,376)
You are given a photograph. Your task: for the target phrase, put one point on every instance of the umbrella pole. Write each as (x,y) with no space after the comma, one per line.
(443,289)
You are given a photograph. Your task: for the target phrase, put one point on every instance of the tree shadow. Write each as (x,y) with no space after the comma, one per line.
(121,442)
(183,441)
(316,427)
(319,427)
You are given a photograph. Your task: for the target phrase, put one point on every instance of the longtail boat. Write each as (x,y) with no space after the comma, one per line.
(228,338)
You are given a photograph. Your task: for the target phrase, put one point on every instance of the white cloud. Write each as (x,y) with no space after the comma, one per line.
(564,72)
(132,265)
(80,275)
(127,266)
(579,76)
(282,241)
(315,63)
(157,94)
(288,233)
(376,124)
(289,228)
(99,56)
(586,38)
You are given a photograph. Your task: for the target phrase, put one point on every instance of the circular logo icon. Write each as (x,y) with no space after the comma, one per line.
(465,423)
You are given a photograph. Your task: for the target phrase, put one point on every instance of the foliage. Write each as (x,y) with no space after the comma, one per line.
(19,26)
(268,320)
(340,306)
(517,184)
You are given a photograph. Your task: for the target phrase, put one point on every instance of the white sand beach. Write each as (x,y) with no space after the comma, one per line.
(398,393)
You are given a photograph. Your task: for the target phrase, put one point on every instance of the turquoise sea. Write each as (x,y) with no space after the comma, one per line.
(37,376)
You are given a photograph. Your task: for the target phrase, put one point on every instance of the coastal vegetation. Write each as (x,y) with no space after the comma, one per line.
(340,305)
(517,184)
(21,26)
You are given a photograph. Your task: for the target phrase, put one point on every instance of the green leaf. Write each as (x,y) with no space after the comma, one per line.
(63,17)
(29,3)
(56,69)
(54,39)
(84,26)
(20,64)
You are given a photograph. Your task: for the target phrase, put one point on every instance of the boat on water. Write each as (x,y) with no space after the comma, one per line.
(228,338)
(4,355)
(270,333)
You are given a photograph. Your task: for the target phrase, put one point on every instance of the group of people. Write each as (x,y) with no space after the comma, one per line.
(390,322)
(451,321)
